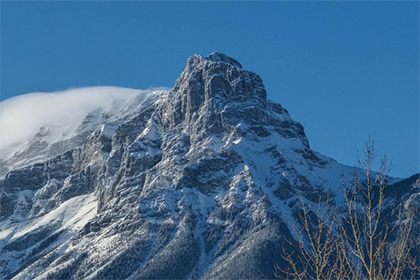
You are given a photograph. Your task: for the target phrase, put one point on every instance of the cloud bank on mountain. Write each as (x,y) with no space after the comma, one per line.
(61,112)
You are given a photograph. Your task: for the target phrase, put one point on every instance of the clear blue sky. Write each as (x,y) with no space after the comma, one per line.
(343,69)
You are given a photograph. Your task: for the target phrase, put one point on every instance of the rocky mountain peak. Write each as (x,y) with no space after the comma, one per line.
(219,75)
(216,57)
(213,81)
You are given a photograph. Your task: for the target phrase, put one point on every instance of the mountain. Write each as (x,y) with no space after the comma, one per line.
(199,181)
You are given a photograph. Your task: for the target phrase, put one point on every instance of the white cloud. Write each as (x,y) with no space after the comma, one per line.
(21,117)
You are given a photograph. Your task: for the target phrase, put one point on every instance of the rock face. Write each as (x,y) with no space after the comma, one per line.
(200,181)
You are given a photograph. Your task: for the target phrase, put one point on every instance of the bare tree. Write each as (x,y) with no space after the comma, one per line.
(315,245)
(359,244)
(365,237)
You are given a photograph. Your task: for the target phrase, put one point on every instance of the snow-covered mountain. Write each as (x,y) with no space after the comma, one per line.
(199,181)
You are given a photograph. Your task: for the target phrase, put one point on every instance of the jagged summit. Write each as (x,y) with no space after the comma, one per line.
(216,90)
(215,81)
(217,57)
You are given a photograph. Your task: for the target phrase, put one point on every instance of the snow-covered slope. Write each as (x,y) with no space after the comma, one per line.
(43,125)
(199,181)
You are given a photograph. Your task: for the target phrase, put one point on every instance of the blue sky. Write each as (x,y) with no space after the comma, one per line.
(345,70)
